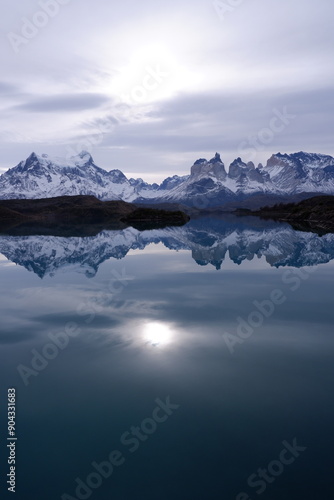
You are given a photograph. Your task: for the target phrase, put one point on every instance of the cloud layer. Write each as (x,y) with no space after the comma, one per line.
(148,87)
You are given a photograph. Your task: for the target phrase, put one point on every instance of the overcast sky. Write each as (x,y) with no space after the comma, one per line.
(148,87)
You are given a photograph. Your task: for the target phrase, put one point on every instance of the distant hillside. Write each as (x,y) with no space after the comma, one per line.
(315,214)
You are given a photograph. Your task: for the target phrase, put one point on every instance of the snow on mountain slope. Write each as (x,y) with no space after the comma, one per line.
(302,172)
(46,177)
(172,182)
(203,187)
(208,185)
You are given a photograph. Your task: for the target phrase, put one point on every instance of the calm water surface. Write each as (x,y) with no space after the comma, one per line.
(199,354)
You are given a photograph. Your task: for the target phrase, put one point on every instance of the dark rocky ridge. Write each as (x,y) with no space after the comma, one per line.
(314,214)
(67,211)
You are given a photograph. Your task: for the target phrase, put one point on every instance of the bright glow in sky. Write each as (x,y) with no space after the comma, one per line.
(149,87)
(157,334)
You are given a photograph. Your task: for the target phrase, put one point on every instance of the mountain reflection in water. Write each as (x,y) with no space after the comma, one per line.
(210,241)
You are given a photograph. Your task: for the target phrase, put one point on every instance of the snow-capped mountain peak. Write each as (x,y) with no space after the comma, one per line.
(43,176)
(302,172)
(208,185)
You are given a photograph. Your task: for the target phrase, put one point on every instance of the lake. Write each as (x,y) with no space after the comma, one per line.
(185,363)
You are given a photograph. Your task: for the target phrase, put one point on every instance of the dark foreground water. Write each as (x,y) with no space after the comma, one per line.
(190,363)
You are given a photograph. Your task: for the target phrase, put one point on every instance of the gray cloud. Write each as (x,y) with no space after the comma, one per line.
(7,88)
(216,121)
(65,102)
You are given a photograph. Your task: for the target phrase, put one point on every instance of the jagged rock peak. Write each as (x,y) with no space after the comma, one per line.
(238,161)
(216,159)
(33,156)
(213,168)
(201,161)
(32,162)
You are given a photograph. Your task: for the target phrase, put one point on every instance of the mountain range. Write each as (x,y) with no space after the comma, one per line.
(284,177)
(210,241)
